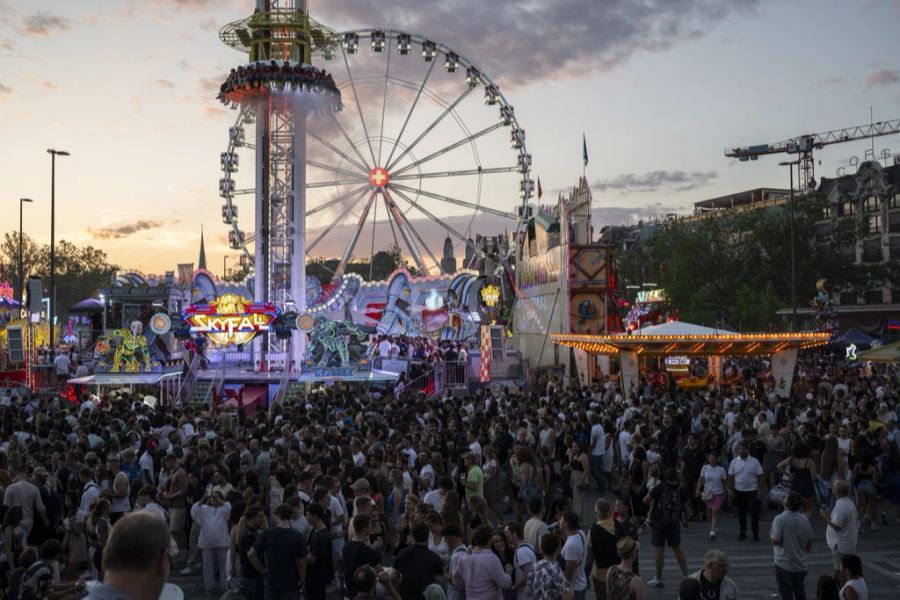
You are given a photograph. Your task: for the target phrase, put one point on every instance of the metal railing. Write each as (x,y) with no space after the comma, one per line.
(456,374)
(218,378)
(429,382)
(189,380)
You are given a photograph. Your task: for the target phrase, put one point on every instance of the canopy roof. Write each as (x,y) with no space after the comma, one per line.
(855,336)
(87,305)
(886,353)
(678,338)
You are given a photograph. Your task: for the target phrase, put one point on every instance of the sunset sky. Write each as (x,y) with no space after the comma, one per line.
(658,87)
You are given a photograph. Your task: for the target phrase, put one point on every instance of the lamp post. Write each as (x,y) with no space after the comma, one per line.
(21,290)
(224,267)
(790,165)
(53,154)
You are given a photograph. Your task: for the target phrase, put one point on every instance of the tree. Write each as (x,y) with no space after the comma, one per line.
(736,270)
(9,259)
(80,271)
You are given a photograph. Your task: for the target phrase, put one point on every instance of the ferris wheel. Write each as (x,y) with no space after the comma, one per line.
(425,149)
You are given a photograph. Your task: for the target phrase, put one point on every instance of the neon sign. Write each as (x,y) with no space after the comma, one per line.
(6,291)
(230,319)
(490,295)
(649,296)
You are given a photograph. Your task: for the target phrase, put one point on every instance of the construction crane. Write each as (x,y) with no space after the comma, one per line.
(804,145)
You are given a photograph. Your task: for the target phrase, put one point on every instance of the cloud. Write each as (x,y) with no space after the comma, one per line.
(673,181)
(882,77)
(164,83)
(43,24)
(828,82)
(115,232)
(47,85)
(5,92)
(209,24)
(214,111)
(521,42)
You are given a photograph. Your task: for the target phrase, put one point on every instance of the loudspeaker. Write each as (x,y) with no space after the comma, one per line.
(35,295)
(16,341)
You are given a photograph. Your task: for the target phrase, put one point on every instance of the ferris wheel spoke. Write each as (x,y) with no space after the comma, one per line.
(430,127)
(351,245)
(449,148)
(440,223)
(336,182)
(361,166)
(417,235)
(456,201)
(490,171)
(362,119)
(334,223)
(411,109)
(333,169)
(403,226)
(335,200)
(387,72)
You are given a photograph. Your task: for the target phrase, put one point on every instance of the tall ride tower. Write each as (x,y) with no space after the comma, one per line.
(278,89)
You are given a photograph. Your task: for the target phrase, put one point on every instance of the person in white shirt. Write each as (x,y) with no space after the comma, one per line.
(212,514)
(842,532)
(855,587)
(711,489)
(27,495)
(61,366)
(598,447)
(524,559)
(575,553)
(745,484)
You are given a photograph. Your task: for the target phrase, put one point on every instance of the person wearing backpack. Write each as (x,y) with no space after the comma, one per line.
(574,553)
(524,558)
(669,500)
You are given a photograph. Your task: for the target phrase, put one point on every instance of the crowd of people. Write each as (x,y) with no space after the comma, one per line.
(481,497)
(278,76)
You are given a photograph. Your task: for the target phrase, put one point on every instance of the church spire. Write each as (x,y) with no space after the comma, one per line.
(201,263)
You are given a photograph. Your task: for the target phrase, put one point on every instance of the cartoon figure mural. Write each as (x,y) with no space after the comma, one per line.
(125,351)
(336,344)
(823,308)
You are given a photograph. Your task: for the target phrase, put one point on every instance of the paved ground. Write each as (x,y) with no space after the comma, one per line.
(751,562)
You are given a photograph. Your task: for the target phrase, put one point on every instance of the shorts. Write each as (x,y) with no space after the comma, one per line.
(718,500)
(177,517)
(666,535)
(866,486)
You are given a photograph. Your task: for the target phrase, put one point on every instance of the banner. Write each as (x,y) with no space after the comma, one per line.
(485,353)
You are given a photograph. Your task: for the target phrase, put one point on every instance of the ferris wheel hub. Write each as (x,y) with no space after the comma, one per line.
(378,177)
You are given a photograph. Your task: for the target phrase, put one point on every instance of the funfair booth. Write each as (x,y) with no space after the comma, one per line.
(679,339)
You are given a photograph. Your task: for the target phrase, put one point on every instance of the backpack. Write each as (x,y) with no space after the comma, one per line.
(669,505)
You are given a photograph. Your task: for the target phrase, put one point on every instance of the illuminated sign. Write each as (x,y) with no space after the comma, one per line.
(851,352)
(648,296)
(677,364)
(490,295)
(230,319)
(6,291)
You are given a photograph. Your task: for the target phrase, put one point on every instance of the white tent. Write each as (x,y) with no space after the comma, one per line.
(679,328)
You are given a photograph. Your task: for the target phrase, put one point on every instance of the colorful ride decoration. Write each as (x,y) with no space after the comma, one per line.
(335,344)
(651,307)
(230,319)
(126,351)
(824,311)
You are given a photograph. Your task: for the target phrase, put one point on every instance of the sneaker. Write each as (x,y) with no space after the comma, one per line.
(712,534)
(656,583)
(188,570)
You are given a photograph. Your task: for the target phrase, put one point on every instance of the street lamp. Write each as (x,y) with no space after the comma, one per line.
(53,154)
(790,165)
(224,267)
(21,290)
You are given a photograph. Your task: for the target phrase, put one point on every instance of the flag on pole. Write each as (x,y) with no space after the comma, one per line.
(584,148)
(540,191)
(485,370)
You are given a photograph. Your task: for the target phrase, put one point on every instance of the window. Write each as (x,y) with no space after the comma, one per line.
(826,212)
(848,298)
(874,223)
(895,249)
(848,252)
(497,353)
(872,251)
(846,209)
(894,201)
(894,222)
(875,296)
(872,204)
